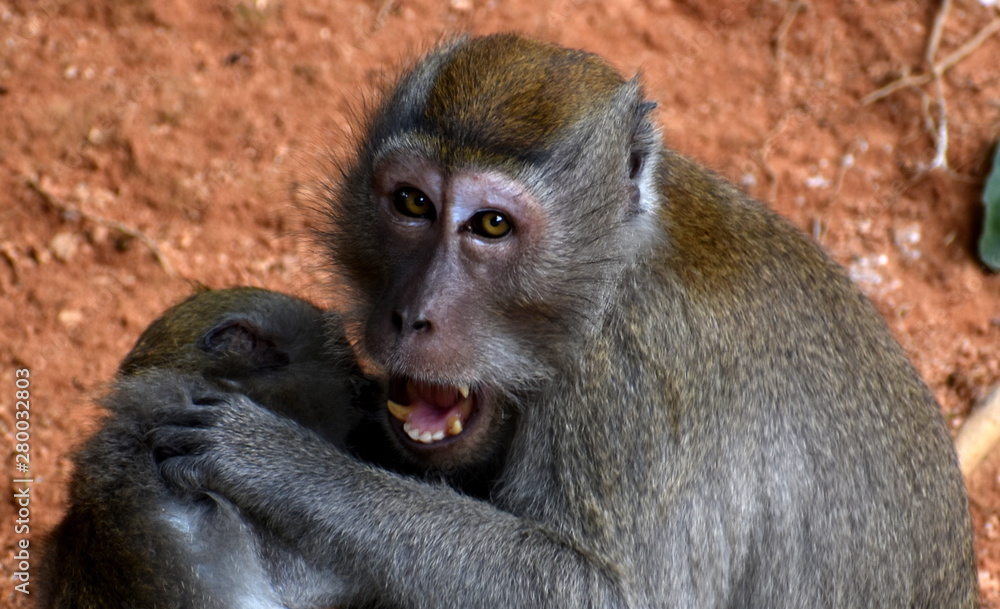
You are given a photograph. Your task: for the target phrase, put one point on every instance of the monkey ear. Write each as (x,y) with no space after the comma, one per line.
(243,341)
(641,148)
(645,108)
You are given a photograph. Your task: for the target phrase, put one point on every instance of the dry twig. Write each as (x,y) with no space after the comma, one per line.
(937,69)
(7,251)
(966,49)
(765,149)
(980,433)
(794,8)
(936,30)
(938,129)
(124,229)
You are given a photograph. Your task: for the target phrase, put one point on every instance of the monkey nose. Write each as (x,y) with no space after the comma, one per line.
(417,324)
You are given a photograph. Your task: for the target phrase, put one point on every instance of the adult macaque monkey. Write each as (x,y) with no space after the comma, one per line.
(128,541)
(686,403)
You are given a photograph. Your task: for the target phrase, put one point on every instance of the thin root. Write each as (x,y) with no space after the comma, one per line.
(794,8)
(980,433)
(124,229)
(937,69)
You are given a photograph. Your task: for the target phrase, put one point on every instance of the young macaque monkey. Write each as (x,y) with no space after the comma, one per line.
(130,541)
(679,399)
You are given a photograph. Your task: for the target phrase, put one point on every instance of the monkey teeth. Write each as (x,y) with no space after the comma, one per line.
(454,425)
(424,437)
(427,420)
(399,411)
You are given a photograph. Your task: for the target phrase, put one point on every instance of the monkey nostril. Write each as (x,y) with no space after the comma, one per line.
(400,324)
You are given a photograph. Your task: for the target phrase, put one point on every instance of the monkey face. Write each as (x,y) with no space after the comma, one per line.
(454,243)
(480,231)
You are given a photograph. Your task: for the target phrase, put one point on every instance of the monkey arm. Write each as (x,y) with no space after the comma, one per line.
(394,539)
(129,541)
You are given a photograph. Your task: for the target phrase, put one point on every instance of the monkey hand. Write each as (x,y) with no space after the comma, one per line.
(356,527)
(206,440)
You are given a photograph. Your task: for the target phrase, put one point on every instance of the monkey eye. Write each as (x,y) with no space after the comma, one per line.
(490,224)
(413,203)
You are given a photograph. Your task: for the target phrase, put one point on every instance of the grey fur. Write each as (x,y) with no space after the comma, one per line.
(129,541)
(723,420)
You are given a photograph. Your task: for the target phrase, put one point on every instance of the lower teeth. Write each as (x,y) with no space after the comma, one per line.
(454,425)
(426,437)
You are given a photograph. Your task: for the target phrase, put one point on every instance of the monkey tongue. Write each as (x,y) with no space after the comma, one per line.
(431,412)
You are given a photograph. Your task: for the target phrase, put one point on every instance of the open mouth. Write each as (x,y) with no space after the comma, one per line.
(430,413)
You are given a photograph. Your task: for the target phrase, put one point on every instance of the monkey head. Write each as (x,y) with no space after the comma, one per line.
(495,198)
(280,351)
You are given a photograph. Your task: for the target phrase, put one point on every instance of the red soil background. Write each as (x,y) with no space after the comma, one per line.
(199,125)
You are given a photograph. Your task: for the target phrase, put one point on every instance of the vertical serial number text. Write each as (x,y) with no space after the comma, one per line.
(22,479)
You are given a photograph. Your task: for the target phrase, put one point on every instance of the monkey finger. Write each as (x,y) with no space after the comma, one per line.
(170,441)
(186,474)
(207,397)
(183,416)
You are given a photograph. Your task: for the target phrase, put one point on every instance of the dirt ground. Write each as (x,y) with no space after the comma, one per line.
(146,147)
